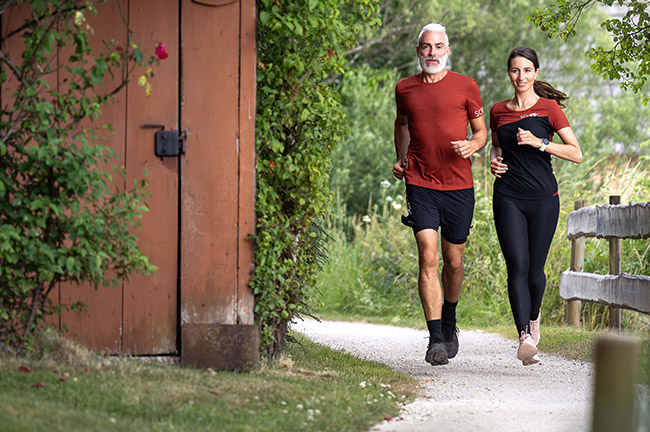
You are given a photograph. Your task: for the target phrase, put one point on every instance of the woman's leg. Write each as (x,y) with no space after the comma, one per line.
(512,230)
(542,217)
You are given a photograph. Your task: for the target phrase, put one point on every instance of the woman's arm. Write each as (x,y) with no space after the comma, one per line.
(569,150)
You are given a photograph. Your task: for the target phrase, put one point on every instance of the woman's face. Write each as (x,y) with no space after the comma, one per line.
(522,74)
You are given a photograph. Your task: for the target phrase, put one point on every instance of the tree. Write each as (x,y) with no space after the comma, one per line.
(63,217)
(628,59)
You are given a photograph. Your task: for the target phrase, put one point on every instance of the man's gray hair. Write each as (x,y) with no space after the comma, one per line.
(435,28)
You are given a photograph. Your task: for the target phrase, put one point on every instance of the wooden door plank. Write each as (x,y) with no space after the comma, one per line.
(150,303)
(100,327)
(246,242)
(209,201)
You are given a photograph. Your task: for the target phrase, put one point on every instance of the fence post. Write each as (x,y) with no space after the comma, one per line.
(615,269)
(577,265)
(615,380)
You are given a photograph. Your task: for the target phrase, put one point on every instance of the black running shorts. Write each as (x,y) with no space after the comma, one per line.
(452,211)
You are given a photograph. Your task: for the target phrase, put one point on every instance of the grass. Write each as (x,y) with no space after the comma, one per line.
(312,389)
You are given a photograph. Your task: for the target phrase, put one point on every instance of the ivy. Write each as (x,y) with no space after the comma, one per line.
(63,217)
(299,122)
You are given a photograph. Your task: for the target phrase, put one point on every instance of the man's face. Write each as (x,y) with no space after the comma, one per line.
(433,52)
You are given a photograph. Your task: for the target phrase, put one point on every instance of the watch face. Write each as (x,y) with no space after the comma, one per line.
(545,141)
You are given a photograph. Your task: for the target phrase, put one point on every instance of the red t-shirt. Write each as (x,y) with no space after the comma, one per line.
(438,113)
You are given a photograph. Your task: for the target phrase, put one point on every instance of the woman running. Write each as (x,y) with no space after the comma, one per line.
(526,202)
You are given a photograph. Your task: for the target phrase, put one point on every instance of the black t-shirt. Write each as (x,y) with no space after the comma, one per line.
(530,173)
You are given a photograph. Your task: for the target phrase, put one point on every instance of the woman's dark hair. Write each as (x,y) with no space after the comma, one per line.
(542,88)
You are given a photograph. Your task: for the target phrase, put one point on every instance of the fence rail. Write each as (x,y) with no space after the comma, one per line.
(618,290)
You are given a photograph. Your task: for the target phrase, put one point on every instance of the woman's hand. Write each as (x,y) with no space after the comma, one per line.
(525,137)
(497,167)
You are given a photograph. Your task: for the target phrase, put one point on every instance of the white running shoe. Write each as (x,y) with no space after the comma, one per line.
(534,329)
(527,351)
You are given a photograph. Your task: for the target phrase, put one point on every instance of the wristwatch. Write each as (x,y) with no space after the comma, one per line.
(545,144)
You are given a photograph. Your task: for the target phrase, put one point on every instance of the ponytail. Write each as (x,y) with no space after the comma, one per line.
(545,90)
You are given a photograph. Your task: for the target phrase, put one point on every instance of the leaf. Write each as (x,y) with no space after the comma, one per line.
(70,263)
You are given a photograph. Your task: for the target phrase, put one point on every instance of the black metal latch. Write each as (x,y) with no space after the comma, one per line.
(168,143)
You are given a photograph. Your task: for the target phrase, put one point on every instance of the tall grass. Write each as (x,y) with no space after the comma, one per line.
(373,259)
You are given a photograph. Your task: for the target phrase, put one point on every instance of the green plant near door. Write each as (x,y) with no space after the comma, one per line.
(66,212)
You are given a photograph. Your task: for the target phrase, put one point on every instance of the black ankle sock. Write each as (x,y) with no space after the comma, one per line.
(435,330)
(449,312)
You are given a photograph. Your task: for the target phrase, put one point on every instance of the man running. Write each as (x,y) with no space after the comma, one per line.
(434,108)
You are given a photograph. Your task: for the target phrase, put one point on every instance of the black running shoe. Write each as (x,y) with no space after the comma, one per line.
(436,354)
(450,334)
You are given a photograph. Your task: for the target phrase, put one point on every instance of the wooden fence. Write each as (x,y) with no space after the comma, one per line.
(618,405)
(616,289)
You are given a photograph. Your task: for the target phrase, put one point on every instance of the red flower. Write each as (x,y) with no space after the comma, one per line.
(63,378)
(160,51)
(24,369)
(38,384)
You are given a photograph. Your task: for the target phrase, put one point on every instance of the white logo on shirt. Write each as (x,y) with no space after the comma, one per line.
(529,115)
(478,113)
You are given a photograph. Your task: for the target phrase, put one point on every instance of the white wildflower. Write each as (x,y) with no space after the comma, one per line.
(362,384)
(385,184)
(397,205)
(389,198)
(299,407)
(366,219)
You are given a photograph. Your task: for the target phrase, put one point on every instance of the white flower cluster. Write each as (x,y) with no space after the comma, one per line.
(388,394)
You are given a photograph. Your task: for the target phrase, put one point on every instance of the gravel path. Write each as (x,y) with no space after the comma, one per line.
(485,388)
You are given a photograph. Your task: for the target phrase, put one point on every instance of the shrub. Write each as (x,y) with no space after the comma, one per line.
(62,217)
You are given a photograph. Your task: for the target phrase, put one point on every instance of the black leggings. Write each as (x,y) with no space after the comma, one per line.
(525,229)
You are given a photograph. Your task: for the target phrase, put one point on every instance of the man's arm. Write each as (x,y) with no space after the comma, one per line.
(402,140)
(466,148)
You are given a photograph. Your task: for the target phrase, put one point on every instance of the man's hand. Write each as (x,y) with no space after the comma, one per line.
(463,148)
(399,167)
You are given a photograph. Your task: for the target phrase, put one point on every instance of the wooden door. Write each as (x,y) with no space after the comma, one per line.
(198,229)
(141,316)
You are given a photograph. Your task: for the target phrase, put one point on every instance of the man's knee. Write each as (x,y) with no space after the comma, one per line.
(454,266)
(429,258)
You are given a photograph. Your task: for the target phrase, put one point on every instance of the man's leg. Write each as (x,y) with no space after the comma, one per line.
(428,283)
(453,270)
(452,280)
(431,294)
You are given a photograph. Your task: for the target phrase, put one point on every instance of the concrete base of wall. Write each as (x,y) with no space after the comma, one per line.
(220,346)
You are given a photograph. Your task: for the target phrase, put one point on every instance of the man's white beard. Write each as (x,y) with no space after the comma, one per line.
(431,69)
